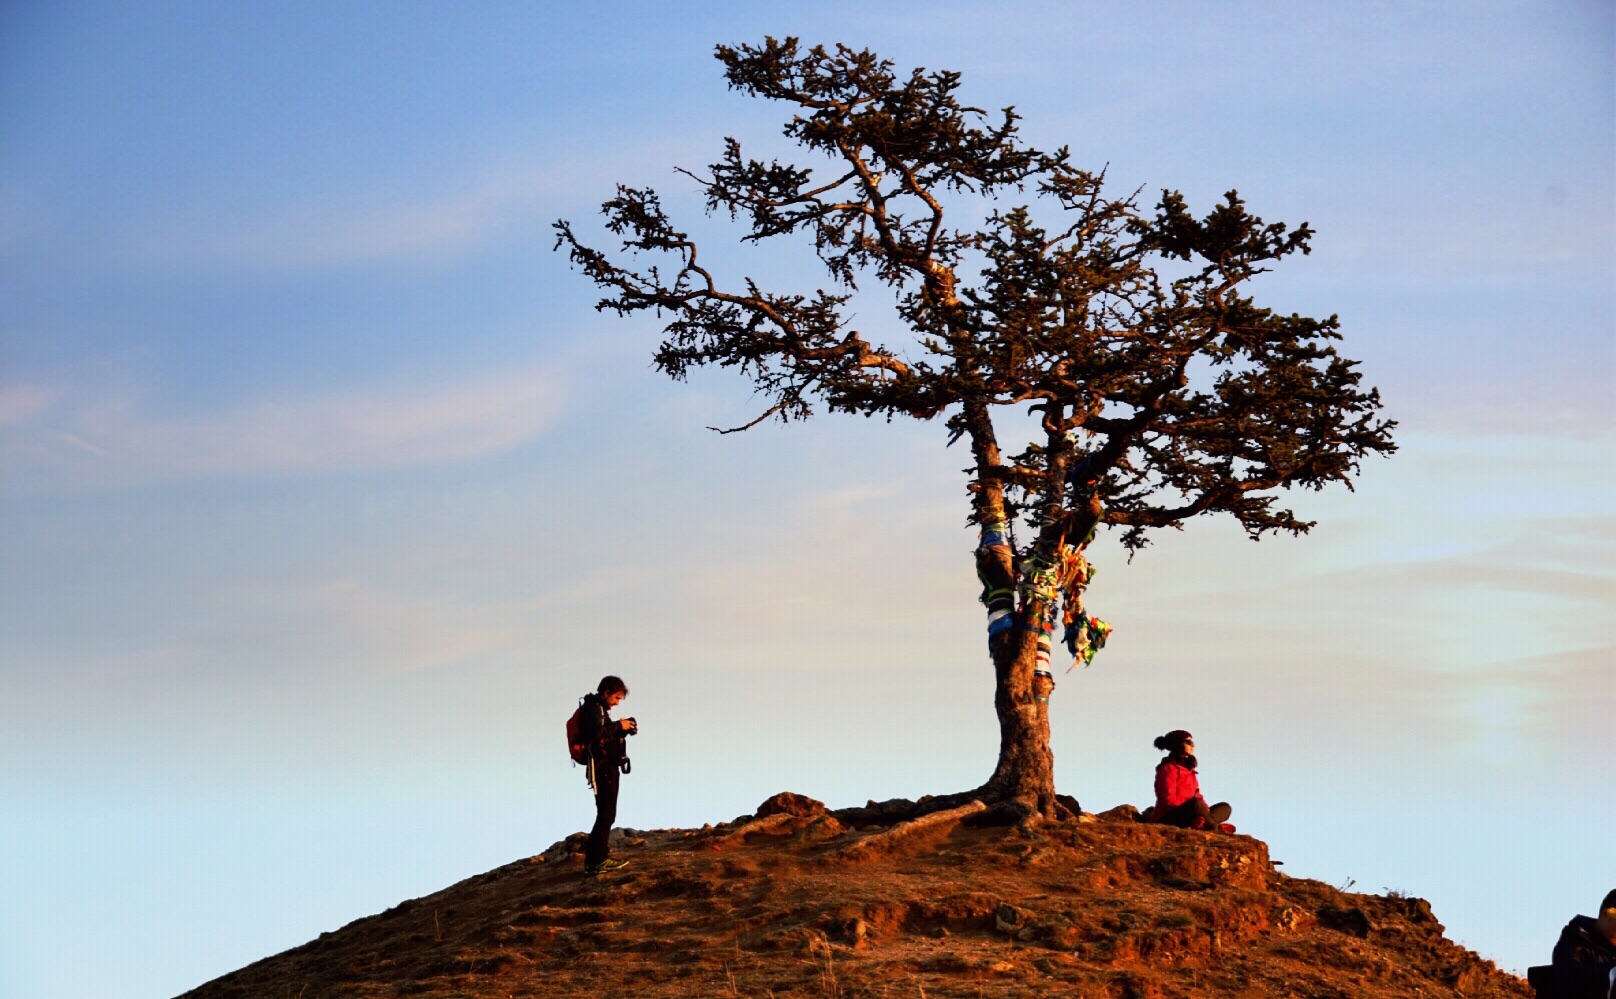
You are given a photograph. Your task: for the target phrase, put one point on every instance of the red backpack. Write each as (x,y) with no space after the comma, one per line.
(575,738)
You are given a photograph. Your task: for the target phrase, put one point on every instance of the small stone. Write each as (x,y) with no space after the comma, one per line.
(823,827)
(1353,921)
(1291,919)
(799,805)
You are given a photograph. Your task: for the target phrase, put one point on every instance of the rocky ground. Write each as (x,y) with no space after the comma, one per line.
(797,901)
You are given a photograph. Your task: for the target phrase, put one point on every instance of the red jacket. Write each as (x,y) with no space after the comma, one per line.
(1175,784)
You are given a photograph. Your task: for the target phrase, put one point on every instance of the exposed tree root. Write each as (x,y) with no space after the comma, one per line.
(886,842)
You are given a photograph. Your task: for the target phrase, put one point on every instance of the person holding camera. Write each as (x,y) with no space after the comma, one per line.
(1585,956)
(608,758)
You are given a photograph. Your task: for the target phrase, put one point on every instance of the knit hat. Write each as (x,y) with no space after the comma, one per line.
(1174,741)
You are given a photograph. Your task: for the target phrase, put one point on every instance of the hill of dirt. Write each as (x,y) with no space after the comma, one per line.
(797,901)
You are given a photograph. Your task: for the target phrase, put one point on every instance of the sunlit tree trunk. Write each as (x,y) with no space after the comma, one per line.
(1026,768)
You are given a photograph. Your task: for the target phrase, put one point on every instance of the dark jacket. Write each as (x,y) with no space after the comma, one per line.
(599,732)
(1582,960)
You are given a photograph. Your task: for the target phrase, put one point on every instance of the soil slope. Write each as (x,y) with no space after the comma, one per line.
(799,902)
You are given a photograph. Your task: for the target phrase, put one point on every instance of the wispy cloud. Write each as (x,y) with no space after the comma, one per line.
(21,402)
(379,630)
(1569,697)
(72,439)
(354,228)
(445,222)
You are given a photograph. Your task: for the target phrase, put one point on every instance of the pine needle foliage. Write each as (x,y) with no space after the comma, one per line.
(1162,390)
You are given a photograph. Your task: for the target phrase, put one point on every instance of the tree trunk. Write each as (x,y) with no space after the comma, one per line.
(1025,772)
(1026,768)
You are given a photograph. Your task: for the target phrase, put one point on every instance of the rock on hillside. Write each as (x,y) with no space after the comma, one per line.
(797,901)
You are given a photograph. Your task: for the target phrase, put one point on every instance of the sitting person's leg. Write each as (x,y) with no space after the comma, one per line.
(1186,815)
(1197,814)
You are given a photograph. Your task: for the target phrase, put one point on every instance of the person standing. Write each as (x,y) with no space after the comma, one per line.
(1585,956)
(1178,790)
(608,760)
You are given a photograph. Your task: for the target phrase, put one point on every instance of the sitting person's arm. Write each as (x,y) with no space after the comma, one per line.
(1175,785)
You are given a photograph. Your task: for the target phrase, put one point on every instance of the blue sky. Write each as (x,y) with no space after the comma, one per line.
(324,491)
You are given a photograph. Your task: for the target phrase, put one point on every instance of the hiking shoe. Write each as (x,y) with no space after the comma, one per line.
(1219,814)
(606,865)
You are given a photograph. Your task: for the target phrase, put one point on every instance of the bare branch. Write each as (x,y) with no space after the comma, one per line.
(776,408)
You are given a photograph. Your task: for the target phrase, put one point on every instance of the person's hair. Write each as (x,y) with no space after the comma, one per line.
(1173,741)
(1609,902)
(611,685)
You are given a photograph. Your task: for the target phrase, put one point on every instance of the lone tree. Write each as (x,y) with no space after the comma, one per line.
(1162,391)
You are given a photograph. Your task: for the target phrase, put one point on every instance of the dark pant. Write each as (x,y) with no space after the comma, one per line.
(606,778)
(1186,815)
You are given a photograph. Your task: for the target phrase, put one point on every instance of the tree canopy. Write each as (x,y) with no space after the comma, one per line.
(1083,319)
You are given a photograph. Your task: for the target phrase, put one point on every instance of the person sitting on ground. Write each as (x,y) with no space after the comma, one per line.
(608,757)
(1585,957)
(1178,790)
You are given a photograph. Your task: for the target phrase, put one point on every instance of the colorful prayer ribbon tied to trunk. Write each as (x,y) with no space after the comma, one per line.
(1084,637)
(996,535)
(1031,597)
(998,589)
(1000,621)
